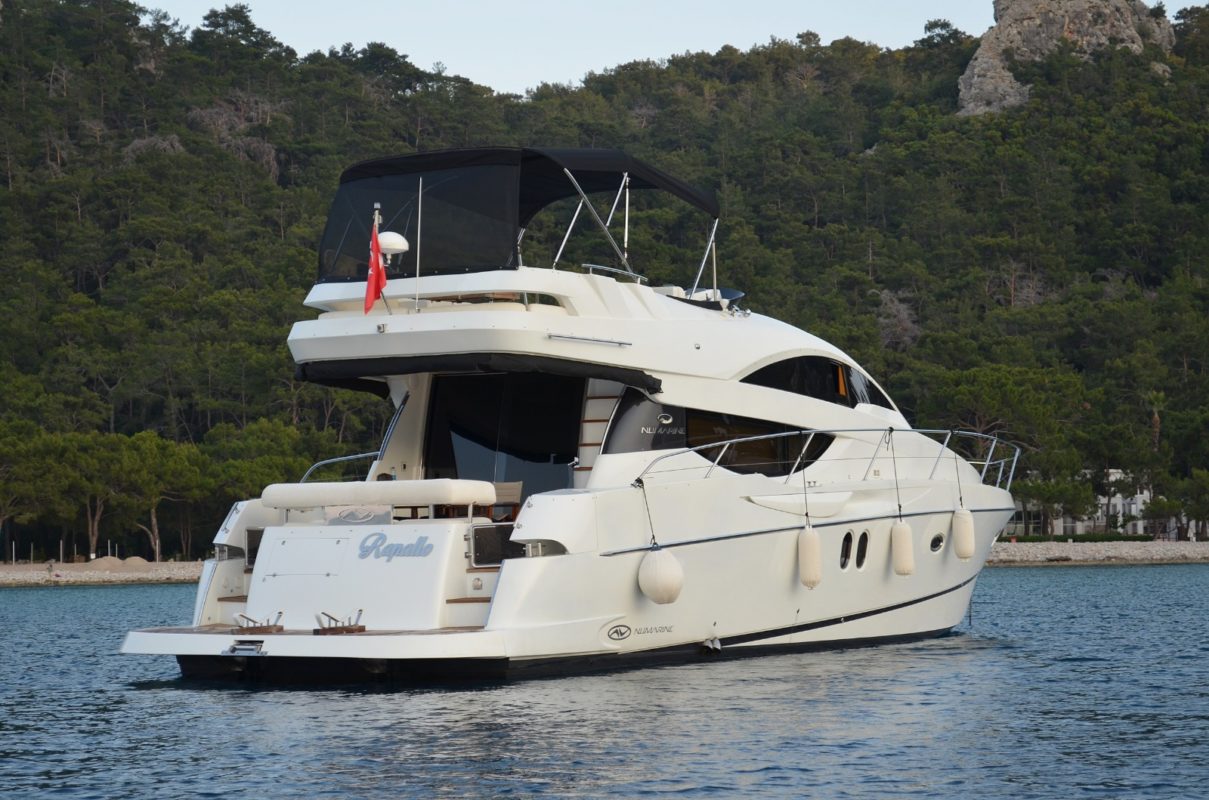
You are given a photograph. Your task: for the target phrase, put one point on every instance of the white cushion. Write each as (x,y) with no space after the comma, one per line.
(439,491)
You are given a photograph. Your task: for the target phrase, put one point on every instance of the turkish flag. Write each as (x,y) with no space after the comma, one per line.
(375,280)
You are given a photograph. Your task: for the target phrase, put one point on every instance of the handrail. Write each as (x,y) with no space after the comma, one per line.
(627,273)
(981,465)
(336,460)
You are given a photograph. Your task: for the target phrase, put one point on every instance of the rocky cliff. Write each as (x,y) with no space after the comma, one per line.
(1029,30)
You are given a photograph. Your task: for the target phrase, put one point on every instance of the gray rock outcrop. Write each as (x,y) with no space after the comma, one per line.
(1029,30)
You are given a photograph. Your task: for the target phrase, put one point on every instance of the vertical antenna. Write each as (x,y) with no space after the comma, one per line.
(419,237)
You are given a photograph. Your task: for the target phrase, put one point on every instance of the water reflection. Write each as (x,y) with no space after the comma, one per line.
(1071,681)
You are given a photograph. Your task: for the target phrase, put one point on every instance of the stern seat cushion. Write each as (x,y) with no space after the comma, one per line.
(440,491)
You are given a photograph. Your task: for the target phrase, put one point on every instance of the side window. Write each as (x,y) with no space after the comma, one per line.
(863,390)
(640,424)
(821,378)
(772,456)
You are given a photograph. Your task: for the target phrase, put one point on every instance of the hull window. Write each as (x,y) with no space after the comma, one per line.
(846,550)
(862,549)
(515,428)
(641,424)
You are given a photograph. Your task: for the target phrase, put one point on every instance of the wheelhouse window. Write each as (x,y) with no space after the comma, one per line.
(821,378)
(640,425)
(504,428)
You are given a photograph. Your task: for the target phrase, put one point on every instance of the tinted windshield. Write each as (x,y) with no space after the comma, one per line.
(469,222)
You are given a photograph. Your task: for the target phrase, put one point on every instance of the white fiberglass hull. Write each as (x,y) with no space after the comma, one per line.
(429,617)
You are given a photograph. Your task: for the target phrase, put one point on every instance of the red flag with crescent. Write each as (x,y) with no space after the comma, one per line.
(375,280)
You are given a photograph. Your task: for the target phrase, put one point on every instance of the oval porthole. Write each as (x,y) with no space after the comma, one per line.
(862,549)
(938,541)
(846,550)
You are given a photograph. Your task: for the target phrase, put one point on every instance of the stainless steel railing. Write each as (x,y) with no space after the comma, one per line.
(337,460)
(999,470)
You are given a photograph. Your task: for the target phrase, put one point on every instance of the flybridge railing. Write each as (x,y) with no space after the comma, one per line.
(995,464)
(337,460)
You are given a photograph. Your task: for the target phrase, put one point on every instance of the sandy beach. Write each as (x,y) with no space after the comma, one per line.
(110,570)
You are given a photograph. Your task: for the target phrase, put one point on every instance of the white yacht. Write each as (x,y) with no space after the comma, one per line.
(583,471)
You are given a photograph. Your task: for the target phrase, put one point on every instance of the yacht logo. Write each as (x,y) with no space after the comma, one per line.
(356,516)
(665,419)
(375,545)
(619,632)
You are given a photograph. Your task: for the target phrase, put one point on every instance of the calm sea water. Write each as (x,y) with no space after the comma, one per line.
(1070,682)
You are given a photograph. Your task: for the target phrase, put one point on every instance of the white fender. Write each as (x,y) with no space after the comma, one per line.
(810,557)
(660,576)
(902,549)
(963,533)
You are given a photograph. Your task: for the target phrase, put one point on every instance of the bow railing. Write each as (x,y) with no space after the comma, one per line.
(992,458)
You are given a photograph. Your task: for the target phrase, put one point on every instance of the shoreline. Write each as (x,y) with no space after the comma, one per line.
(1076,553)
(111,571)
(101,572)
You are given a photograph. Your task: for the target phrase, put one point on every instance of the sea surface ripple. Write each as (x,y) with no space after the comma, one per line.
(1067,682)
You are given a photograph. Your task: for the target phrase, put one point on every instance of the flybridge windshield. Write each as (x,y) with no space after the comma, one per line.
(469,219)
(475,204)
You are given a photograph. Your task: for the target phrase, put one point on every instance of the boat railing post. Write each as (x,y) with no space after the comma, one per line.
(717,460)
(801,455)
(1012,471)
(986,465)
(943,446)
(876,450)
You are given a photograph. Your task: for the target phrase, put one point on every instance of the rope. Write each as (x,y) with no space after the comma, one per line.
(650,522)
(805,497)
(957,469)
(894,463)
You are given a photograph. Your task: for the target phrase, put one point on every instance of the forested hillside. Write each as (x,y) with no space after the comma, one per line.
(1041,274)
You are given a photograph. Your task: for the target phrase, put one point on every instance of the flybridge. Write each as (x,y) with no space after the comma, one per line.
(467,210)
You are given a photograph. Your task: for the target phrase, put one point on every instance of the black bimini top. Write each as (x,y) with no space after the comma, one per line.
(475,203)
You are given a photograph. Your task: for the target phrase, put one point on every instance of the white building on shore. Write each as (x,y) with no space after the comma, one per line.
(1119,513)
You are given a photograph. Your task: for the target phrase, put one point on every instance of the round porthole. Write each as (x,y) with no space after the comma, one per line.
(938,541)
(846,550)
(862,549)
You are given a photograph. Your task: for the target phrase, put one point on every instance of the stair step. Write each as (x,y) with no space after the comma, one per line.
(235,598)
(469,600)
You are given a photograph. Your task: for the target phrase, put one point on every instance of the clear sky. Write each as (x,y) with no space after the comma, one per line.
(513,46)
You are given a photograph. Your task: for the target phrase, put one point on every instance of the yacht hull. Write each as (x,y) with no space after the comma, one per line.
(444,656)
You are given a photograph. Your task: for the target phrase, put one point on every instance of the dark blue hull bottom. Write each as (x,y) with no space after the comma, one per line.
(332,671)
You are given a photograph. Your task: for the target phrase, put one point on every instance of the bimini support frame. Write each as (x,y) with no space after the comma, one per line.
(583,199)
(713,231)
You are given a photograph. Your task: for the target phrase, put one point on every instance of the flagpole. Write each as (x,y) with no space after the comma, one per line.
(382,263)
